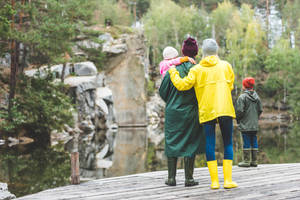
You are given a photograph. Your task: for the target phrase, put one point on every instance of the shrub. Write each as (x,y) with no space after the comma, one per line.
(40,106)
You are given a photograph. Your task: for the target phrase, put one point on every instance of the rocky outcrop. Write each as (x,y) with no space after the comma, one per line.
(4,193)
(77,69)
(155,116)
(5,60)
(95,116)
(126,78)
(112,46)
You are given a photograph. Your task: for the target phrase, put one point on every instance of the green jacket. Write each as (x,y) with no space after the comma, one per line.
(184,136)
(248,108)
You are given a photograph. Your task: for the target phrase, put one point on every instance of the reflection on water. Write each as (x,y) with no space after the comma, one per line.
(137,150)
(28,169)
(130,152)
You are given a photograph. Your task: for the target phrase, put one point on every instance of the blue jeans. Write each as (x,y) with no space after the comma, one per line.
(226,126)
(250,140)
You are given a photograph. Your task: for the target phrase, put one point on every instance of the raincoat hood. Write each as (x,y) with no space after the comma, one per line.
(251,95)
(209,61)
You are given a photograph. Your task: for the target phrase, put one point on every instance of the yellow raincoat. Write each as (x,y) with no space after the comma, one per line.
(213,81)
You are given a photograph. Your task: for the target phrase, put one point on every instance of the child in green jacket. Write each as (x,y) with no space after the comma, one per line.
(248,109)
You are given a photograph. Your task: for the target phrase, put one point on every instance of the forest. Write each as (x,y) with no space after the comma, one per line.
(39,33)
(259,38)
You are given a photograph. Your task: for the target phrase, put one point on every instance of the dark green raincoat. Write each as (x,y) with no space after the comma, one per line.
(248,108)
(184,136)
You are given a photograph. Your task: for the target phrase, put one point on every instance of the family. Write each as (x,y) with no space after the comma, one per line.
(197,98)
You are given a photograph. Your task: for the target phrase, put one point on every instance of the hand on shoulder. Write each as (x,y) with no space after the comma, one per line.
(192,60)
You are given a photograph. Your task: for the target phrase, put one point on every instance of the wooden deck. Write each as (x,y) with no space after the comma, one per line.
(280,181)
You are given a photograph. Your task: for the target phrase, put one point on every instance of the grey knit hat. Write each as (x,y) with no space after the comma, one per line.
(209,47)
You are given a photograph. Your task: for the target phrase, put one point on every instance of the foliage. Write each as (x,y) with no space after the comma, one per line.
(150,88)
(221,18)
(107,9)
(94,52)
(273,87)
(164,26)
(39,107)
(47,32)
(291,17)
(5,12)
(142,7)
(283,62)
(245,42)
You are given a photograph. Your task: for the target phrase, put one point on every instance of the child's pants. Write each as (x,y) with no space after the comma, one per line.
(226,126)
(250,140)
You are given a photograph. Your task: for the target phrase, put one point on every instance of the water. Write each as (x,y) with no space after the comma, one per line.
(28,169)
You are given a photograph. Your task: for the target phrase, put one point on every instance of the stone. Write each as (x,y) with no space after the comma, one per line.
(101,163)
(92,174)
(103,152)
(57,69)
(155,134)
(106,37)
(25,140)
(36,72)
(102,105)
(13,141)
(5,61)
(104,93)
(100,122)
(113,46)
(90,99)
(4,193)
(82,83)
(57,137)
(87,127)
(88,44)
(125,77)
(115,49)
(85,69)
(100,80)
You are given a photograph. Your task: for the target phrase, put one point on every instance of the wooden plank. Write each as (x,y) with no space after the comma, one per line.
(280,181)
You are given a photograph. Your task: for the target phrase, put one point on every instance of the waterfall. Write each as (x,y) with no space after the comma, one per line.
(274,29)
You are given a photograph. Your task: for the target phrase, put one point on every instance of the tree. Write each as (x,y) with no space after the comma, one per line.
(118,14)
(46,30)
(245,43)
(284,62)
(164,26)
(291,17)
(221,18)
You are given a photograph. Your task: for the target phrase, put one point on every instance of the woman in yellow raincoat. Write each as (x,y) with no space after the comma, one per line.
(213,81)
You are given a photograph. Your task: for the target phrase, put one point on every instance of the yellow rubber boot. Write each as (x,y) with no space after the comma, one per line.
(227,170)
(213,171)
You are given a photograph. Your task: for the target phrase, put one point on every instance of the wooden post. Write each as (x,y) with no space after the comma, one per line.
(75,175)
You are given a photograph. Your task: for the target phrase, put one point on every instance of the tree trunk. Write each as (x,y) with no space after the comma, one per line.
(13,67)
(63,72)
(23,63)
(267,21)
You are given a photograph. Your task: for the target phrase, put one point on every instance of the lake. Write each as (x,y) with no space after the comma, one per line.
(29,168)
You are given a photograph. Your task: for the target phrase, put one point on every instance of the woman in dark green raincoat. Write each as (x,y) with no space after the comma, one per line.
(184,136)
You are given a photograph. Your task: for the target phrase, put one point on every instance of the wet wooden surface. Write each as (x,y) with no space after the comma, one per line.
(278,181)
